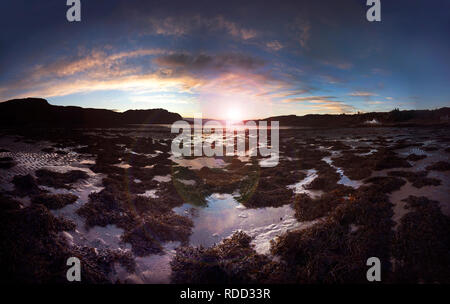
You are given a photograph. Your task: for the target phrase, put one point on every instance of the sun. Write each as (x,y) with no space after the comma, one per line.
(234,114)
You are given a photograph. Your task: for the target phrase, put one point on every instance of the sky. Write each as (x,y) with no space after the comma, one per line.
(228,59)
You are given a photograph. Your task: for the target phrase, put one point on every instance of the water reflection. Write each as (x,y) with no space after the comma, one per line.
(223,215)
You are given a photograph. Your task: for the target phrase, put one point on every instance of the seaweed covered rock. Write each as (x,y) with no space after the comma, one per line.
(33,252)
(439,166)
(355,166)
(54,201)
(319,254)
(327,177)
(358,167)
(105,207)
(268,187)
(332,251)
(308,209)
(386,184)
(418,179)
(7,203)
(422,243)
(147,238)
(232,261)
(59,180)
(386,159)
(269,198)
(26,185)
(415,157)
(147,221)
(7,162)
(335,250)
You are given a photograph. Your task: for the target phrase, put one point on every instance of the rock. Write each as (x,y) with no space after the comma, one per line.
(26,185)
(54,201)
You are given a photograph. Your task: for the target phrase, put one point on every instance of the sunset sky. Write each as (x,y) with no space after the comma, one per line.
(251,59)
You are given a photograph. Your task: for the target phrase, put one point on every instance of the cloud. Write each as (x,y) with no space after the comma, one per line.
(308,98)
(321,104)
(132,83)
(254,85)
(332,79)
(98,71)
(302,31)
(204,62)
(379,71)
(362,94)
(67,66)
(250,92)
(342,65)
(274,45)
(208,78)
(285,92)
(185,25)
(96,66)
(331,107)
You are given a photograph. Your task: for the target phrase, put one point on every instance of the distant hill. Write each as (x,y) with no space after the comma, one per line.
(392,118)
(38,112)
(155,116)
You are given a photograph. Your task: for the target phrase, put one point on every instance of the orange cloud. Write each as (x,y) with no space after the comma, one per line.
(321,104)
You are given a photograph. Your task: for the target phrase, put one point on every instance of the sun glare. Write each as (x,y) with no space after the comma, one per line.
(234,114)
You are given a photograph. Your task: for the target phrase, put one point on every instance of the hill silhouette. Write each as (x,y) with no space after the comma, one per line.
(38,112)
(392,118)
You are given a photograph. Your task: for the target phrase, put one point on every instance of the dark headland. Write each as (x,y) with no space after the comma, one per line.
(38,112)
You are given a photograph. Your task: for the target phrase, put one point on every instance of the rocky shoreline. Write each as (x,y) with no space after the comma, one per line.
(356,204)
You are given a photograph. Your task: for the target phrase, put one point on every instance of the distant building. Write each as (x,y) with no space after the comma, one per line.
(372,122)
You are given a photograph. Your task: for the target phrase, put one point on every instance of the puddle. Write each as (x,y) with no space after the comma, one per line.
(199,162)
(150,193)
(187,182)
(269,162)
(223,215)
(344,179)
(300,187)
(163,178)
(152,269)
(123,165)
